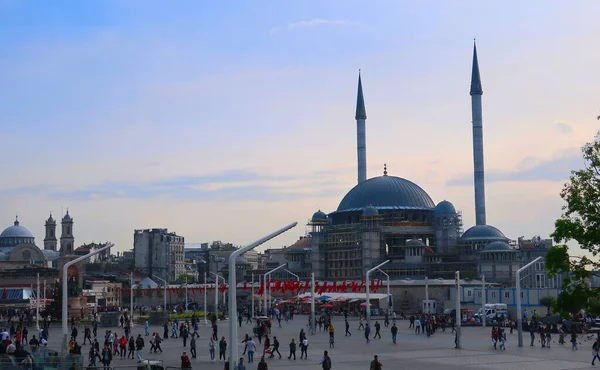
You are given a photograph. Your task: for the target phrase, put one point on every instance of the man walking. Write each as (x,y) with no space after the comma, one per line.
(348,334)
(375,364)
(325,361)
(193,346)
(394,333)
(377,329)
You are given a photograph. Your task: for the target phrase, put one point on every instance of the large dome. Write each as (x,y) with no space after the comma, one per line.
(16,231)
(386,192)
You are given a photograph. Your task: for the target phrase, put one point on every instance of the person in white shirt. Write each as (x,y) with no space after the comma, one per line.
(4,335)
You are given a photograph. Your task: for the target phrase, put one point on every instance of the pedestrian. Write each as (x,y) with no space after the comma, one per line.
(360,323)
(275,348)
(184,335)
(185,362)
(595,349)
(348,334)
(211,349)
(375,364)
(130,347)
(251,347)
(394,331)
(574,341)
(222,348)
(241,365)
(331,336)
(193,347)
(262,365)
(292,350)
(367,333)
(304,349)
(325,361)
(139,347)
(377,329)
(146,327)
(106,357)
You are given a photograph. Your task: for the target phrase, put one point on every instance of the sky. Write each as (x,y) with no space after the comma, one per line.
(228,120)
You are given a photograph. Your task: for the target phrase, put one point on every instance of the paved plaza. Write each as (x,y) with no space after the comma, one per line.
(411,351)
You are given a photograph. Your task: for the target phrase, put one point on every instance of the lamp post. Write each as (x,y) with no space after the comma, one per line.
(131,299)
(164,293)
(518,291)
(368,302)
(389,305)
(426,308)
(291,273)
(186,295)
(457,316)
(65,296)
(217,292)
(268,284)
(312,303)
(252,290)
(483,299)
(233,348)
(205,312)
(37,305)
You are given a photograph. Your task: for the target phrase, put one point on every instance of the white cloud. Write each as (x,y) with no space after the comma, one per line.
(312,23)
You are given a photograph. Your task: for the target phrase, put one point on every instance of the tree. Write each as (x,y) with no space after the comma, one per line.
(580,222)
(183,278)
(548,302)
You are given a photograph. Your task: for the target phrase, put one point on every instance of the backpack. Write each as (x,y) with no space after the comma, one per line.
(327,363)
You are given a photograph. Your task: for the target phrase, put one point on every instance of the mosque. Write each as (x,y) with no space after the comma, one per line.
(391,218)
(18,248)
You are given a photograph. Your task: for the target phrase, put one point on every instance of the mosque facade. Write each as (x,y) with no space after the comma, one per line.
(391,218)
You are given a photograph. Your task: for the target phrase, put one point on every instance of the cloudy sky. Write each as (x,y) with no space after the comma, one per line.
(227,120)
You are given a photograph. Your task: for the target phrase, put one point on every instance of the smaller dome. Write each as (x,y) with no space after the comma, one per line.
(50,255)
(50,219)
(370,211)
(67,216)
(415,243)
(497,247)
(319,216)
(16,231)
(444,208)
(483,233)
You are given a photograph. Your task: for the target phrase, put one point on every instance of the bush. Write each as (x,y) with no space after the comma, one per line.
(183,316)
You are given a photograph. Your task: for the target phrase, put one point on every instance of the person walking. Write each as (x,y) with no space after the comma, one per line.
(106,357)
(348,334)
(367,333)
(375,364)
(211,349)
(139,347)
(241,365)
(360,323)
(325,361)
(130,347)
(193,346)
(251,347)
(394,331)
(292,350)
(377,329)
(185,362)
(304,349)
(595,349)
(275,348)
(262,365)
(532,334)
(331,336)
(222,348)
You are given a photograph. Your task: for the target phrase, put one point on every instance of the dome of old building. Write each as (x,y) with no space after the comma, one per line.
(444,208)
(483,233)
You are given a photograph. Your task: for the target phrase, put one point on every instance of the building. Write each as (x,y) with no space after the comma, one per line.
(91,247)
(214,257)
(391,218)
(18,249)
(157,252)
(103,293)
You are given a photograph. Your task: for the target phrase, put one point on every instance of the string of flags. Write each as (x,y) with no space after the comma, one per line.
(294,287)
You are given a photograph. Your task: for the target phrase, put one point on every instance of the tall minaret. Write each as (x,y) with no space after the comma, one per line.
(67,240)
(479,177)
(50,241)
(361,145)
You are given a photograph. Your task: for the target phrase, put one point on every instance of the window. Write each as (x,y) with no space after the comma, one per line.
(493,294)
(540,280)
(468,293)
(506,294)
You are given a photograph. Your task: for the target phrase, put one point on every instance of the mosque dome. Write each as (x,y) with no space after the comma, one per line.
(319,217)
(444,208)
(386,192)
(483,233)
(370,211)
(497,246)
(415,243)
(16,231)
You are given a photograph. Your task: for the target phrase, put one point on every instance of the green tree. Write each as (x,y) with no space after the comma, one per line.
(579,223)
(183,278)
(548,302)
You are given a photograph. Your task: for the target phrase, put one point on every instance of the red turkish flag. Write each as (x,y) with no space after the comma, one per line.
(354,287)
(277,286)
(245,286)
(334,287)
(323,288)
(306,286)
(4,294)
(343,287)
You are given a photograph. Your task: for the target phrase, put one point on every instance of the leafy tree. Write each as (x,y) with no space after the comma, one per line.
(580,222)
(183,278)
(548,302)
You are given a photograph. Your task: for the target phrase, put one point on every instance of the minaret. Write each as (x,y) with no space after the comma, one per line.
(50,241)
(361,146)
(67,240)
(479,176)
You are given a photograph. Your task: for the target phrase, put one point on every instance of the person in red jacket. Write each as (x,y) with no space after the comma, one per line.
(185,362)
(123,346)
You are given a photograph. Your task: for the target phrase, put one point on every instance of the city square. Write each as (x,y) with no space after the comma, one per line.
(410,352)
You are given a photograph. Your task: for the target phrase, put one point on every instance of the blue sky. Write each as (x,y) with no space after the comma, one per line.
(226,120)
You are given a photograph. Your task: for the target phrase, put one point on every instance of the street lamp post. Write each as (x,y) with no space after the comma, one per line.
(368,302)
(388,304)
(131,298)
(252,290)
(457,316)
(217,292)
(426,308)
(518,292)
(205,312)
(65,296)
(312,303)
(164,293)
(233,348)
(483,299)
(37,305)
(268,284)
(291,273)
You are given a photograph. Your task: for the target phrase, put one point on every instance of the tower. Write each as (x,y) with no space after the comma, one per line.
(361,146)
(67,240)
(478,173)
(50,241)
